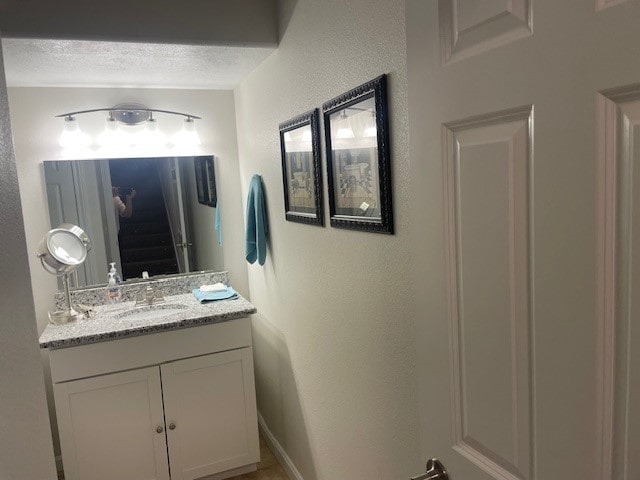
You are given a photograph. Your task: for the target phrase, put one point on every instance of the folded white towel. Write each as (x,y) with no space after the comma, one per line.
(216,287)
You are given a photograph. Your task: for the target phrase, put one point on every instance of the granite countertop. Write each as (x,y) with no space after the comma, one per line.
(107,322)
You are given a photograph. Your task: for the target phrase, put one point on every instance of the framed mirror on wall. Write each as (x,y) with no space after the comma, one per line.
(206,181)
(301,178)
(358,158)
(142,213)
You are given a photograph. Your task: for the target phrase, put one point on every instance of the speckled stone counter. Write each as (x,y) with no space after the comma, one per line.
(170,285)
(108,323)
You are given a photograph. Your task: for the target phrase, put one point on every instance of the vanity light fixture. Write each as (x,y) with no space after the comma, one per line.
(126,115)
(344,126)
(72,136)
(305,137)
(111,135)
(372,129)
(188,136)
(151,135)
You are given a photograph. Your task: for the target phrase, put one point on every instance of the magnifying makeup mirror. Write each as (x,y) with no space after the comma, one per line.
(61,251)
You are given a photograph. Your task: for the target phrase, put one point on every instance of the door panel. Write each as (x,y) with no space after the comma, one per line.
(470,27)
(619,272)
(602,4)
(209,400)
(487,161)
(527,344)
(61,181)
(108,425)
(172,190)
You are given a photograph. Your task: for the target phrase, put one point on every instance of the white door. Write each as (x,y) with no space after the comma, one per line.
(173,191)
(523,137)
(184,244)
(209,404)
(112,427)
(61,181)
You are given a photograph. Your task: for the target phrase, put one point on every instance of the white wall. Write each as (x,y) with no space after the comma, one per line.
(36,134)
(25,442)
(217,22)
(202,219)
(334,349)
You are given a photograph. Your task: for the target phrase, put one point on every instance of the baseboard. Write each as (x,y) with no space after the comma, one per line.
(278,451)
(218,476)
(231,473)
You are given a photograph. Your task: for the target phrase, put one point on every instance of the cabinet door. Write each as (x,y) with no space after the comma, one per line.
(109,427)
(210,410)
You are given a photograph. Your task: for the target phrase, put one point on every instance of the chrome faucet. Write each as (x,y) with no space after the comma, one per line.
(149,296)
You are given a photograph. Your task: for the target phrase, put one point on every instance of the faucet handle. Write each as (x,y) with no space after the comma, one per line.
(148,295)
(158,296)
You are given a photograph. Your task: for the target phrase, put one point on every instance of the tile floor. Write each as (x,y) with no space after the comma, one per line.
(268,468)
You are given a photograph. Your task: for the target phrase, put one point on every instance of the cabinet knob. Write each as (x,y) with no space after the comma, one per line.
(159,429)
(172,426)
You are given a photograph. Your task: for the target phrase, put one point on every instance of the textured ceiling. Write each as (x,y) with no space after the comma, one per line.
(79,63)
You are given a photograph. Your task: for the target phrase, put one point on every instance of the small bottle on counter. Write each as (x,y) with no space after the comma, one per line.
(115,272)
(113,290)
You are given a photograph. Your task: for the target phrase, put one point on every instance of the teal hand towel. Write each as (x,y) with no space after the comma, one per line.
(257,228)
(217,224)
(202,297)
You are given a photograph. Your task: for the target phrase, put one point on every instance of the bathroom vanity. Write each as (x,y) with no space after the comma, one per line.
(156,395)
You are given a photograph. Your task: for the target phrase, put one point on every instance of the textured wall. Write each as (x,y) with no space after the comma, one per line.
(214,22)
(36,134)
(25,443)
(335,357)
(208,254)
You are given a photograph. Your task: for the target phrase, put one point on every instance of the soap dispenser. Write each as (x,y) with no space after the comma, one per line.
(113,290)
(115,273)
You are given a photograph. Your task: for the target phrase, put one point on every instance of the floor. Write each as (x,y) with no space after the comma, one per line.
(268,468)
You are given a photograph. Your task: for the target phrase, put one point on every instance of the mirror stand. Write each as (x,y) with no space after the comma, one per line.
(68,314)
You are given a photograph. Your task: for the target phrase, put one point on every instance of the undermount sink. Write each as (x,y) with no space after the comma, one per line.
(152,311)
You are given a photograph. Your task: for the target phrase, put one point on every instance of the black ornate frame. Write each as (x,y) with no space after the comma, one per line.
(311,118)
(206,180)
(377,89)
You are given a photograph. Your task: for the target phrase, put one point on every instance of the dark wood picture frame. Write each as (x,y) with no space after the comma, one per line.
(358,161)
(206,180)
(301,177)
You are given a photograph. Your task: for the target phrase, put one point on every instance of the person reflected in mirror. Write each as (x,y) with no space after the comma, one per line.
(122,209)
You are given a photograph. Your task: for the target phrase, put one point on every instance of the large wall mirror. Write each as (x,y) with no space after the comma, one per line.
(141,213)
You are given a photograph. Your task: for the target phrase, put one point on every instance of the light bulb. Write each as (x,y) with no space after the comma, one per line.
(371,130)
(344,126)
(72,136)
(112,136)
(151,136)
(188,136)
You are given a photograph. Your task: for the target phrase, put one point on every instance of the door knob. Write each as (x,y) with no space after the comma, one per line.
(435,471)
(172,426)
(159,429)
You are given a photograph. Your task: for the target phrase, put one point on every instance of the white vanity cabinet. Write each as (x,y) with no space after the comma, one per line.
(108,425)
(175,405)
